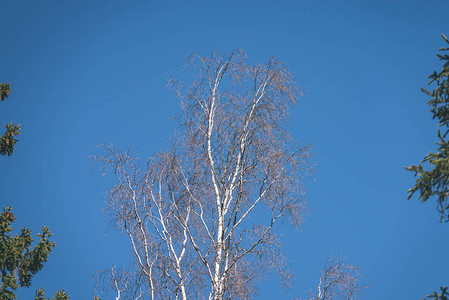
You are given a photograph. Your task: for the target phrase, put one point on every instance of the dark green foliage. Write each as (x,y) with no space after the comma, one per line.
(7,141)
(40,294)
(443,296)
(5,89)
(59,295)
(19,262)
(435,182)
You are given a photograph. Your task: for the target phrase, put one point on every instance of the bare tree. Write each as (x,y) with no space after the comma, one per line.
(124,284)
(339,280)
(200,215)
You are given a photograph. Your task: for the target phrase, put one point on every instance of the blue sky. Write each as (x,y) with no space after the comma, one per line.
(88,72)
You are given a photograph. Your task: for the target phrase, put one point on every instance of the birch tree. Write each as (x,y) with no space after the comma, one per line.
(200,216)
(338,280)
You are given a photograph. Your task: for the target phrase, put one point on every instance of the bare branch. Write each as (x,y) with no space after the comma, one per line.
(189,212)
(339,280)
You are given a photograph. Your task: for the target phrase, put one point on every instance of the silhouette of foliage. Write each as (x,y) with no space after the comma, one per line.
(19,262)
(7,140)
(444,295)
(435,182)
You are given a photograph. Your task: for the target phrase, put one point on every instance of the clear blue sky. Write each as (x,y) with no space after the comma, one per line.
(88,72)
